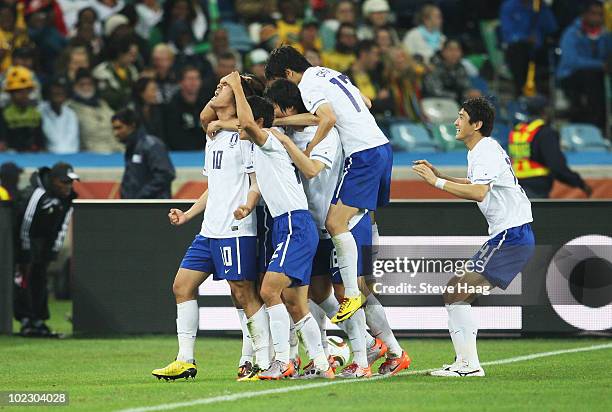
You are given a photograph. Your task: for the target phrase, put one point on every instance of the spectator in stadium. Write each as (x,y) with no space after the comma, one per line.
(344,13)
(376,14)
(344,54)
(20,121)
(309,36)
(179,12)
(148,169)
(9,179)
(44,210)
(187,51)
(365,73)
(106,8)
(120,27)
(45,34)
(226,64)
(72,59)
(147,107)
(536,153)
(116,77)
(402,74)
(448,77)
(149,14)
(60,124)
(162,59)
(220,47)
(256,63)
(313,57)
(425,40)
(94,115)
(384,40)
(13,33)
(25,57)
(524,32)
(289,25)
(85,35)
(255,10)
(183,131)
(585,57)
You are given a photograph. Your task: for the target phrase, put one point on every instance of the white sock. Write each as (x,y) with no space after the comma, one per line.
(309,331)
(320,317)
(279,331)
(247,343)
(376,318)
(294,342)
(187,318)
(331,306)
(259,330)
(456,337)
(375,241)
(346,249)
(355,326)
(464,321)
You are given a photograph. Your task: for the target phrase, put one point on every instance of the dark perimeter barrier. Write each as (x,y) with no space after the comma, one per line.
(126,255)
(6,269)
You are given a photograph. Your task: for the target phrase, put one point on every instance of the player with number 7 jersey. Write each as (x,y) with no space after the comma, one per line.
(366,179)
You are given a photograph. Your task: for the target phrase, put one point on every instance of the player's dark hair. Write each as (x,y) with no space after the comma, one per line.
(262,109)
(126,116)
(480,109)
(283,58)
(286,95)
(252,85)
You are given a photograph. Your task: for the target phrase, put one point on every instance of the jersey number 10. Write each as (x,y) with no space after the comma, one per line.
(217,155)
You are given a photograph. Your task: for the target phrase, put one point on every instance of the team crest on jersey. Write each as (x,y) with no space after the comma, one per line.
(322,72)
(234,140)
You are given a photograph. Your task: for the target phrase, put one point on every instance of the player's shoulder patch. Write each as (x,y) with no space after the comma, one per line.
(322,72)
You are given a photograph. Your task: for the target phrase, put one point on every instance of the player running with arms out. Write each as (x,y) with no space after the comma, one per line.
(294,237)
(320,172)
(492,183)
(366,179)
(226,244)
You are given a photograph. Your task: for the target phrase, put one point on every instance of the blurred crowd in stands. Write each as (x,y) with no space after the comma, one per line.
(67,66)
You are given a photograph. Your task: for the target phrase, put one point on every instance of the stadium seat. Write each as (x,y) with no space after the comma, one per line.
(488,31)
(444,135)
(238,37)
(479,83)
(410,137)
(440,110)
(582,137)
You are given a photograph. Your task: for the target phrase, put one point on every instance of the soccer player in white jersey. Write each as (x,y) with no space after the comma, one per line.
(226,244)
(294,237)
(320,172)
(490,182)
(366,179)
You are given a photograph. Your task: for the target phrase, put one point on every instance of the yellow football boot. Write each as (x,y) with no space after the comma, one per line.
(176,370)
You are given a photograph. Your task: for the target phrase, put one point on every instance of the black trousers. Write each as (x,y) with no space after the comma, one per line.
(517,58)
(586,91)
(31,295)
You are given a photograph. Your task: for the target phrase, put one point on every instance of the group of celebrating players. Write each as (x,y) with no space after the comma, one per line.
(295,172)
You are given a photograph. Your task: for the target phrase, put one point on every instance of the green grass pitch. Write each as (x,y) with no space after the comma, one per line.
(114,374)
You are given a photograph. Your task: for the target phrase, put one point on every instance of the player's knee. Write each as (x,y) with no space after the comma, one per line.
(269,295)
(182,289)
(332,225)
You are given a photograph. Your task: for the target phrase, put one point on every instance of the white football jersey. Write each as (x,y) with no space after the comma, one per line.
(505,205)
(279,181)
(356,126)
(227,164)
(320,189)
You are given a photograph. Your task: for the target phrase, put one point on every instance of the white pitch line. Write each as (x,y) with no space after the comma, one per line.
(253,394)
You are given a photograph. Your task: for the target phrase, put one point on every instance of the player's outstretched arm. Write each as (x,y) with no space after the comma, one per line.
(440,174)
(207,115)
(245,114)
(302,119)
(309,167)
(366,100)
(327,117)
(178,217)
(216,125)
(252,199)
(469,191)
